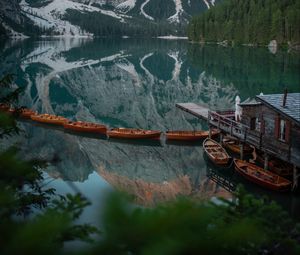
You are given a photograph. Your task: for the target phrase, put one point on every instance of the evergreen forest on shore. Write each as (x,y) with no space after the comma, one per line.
(254,22)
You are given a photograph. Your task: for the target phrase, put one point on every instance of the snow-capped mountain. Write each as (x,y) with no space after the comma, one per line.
(102,17)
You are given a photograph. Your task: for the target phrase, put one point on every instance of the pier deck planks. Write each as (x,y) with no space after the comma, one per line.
(194,109)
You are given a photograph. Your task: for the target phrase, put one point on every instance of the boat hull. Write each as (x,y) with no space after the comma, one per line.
(188,135)
(27,113)
(277,166)
(237,149)
(77,128)
(53,120)
(215,152)
(22,112)
(133,134)
(261,177)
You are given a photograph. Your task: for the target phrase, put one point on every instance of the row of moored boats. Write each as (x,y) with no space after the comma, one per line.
(94,128)
(250,171)
(214,150)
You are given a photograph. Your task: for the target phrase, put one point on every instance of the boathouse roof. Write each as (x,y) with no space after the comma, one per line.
(250,102)
(291,108)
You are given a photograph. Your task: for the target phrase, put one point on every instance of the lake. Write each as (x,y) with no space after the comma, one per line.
(136,83)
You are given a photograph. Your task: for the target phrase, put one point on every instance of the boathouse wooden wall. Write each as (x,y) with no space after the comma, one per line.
(249,112)
(288,150)
(295,144)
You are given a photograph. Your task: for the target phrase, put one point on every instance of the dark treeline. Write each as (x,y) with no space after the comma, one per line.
(160,9)
(26,27)
(249,21)
(103,25)
(38,3)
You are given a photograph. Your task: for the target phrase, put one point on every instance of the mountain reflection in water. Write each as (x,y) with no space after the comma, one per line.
(136,83)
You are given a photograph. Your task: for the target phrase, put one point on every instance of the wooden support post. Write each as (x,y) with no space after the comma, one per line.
(295,178)
(242,151)
(260,140)
(221,138)
(245,134)
(266,165)
(208,123)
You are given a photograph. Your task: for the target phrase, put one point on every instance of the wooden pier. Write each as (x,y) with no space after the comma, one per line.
(197,110)
(201,111)
(224,121)
(227,125)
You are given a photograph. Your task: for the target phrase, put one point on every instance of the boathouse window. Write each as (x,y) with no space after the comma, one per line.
(282,129)
(255,124)
(252,123)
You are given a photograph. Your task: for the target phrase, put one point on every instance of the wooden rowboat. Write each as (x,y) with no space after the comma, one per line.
(189,135)
(26,113)
(280,168)
(87,127)
(49,119)
(216,152)
(235,147)
(261,177)
(130,133)
(22,112)
(277,166)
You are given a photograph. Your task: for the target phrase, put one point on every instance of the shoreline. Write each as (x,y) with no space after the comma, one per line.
(290,47)
(294,47)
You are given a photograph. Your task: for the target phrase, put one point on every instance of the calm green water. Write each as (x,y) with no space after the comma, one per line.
(136,83)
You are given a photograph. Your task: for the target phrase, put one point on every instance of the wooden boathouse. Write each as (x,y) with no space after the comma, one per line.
(270,123)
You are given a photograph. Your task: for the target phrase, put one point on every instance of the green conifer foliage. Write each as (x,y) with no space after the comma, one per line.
(249,21)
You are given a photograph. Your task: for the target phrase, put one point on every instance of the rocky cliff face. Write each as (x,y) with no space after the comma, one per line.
(60,17)
(11,10)
(10,15)
(14,22)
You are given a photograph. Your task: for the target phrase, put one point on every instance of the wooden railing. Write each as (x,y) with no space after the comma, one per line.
(234,128)
(252,137)
(228,114)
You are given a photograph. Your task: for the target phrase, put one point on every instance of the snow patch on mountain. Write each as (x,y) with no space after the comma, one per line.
(148,73)
(51,16)
(172,37)
(47,54)
(207,4)
(179,10)
(177,67)
(130,68)
(51,54)
(126,6)
(143,12)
